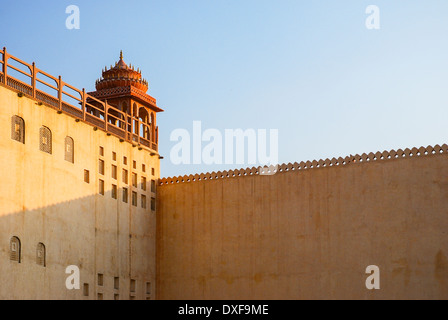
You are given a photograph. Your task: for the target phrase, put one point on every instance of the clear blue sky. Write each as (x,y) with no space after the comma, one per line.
(308,68)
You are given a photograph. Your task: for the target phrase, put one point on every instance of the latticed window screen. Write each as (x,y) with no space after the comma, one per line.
(41,255)
(101,167)
(125,176)
(153,186)
(125,195)
(18,129)
(45,140)
(69,150)
(114,192)
(143,201)
(15,249)
(134,199)
(114,172)
(153,204)
(101,187)
(134,180)
(143,183)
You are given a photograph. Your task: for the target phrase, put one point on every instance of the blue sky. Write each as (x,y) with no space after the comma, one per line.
(310,69)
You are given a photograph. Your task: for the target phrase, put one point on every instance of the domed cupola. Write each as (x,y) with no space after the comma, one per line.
(131,110)
(121,75)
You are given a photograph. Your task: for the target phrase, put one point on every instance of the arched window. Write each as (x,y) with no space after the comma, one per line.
(69,150)
(143,115)
(45,140)
(153,129)
(41,255)
(18,129)
(144,119)
(15,249)
(124,108)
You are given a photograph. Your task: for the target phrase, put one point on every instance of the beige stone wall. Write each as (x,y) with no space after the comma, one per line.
(308,234)
(44,198)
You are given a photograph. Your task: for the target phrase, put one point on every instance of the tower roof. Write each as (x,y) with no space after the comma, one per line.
(121,75)
(123,80)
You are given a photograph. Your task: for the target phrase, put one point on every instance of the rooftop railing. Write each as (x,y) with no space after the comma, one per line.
(59,95)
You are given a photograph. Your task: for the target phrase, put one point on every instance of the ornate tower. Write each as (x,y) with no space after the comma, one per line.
(134,111)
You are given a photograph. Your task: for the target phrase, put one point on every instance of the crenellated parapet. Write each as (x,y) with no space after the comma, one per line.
(334,162)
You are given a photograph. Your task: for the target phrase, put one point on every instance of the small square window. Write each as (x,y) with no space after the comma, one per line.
(143,168)
(153,204)
(143,201)
(134,164)
(114,192)
(101,151)
(125,195)
(143,183)
(131,297)
(153,186)
(125,176)
(116,283)
(100,296)
(114,172)
(86,176)
(100,279)
(125,161)
(134,180)
(153,171)
(116,296)
(133,285)
(101,167)
(148,287)
(86,289)
(134,199)
(114,156)
(101,187)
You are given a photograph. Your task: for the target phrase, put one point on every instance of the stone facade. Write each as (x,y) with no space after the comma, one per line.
(72,193)
(309,231)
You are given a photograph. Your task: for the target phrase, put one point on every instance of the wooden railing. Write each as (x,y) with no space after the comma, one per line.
(86,107)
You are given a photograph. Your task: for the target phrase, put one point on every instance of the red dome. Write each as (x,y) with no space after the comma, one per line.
(121,75)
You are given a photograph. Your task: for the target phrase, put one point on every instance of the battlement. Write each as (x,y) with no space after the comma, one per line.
(59,95)
(364,158)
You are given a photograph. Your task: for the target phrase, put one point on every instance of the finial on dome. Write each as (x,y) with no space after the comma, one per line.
(121,54)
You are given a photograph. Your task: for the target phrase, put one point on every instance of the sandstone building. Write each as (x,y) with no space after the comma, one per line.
(79,173)
(81,186)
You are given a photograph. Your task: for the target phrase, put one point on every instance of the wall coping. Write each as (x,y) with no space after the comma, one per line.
(327,163)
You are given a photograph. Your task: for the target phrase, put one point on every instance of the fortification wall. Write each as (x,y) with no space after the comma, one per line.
(309,231)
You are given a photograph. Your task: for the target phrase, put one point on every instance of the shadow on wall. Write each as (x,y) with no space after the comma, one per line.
(103,236)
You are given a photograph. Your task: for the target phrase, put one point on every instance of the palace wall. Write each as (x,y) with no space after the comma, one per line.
(308,233)
(44,199)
